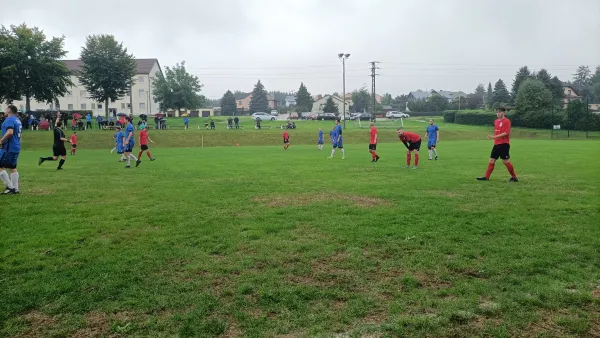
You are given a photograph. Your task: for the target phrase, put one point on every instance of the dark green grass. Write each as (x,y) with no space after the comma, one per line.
(255,241)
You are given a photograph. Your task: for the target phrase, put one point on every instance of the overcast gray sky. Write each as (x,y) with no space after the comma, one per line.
(426,44)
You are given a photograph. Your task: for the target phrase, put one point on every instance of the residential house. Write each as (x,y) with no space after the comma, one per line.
(202,112)
(320,103)
(419,95)
(450,96)
(143,98)
(290,101)
(569,94)
(594,107)
(244,104)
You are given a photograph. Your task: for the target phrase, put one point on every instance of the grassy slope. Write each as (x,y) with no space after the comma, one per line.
(255,241)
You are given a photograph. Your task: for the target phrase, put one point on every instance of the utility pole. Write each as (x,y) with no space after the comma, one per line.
(373,75)
(344,57)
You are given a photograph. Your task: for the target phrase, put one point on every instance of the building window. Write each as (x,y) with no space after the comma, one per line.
(99,105)
(569,92)
(83,106)
(142,107)
(21,108)
(140,79)
(122,105)
(142,93)
(93,106)
(111,100)
(70,106)
(128,105)
(82,93)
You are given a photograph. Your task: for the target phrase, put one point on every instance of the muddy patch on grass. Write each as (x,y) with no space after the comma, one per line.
(39,191)
(300,200)
(39,324)
(97,324)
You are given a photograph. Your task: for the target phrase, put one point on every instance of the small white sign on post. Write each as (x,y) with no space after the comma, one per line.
(556,127)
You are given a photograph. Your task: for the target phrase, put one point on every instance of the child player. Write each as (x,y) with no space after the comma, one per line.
(286,140)
(433,136)
(320,139)
(73,143)
(144,138)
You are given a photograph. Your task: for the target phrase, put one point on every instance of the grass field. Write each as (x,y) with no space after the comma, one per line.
(253,241)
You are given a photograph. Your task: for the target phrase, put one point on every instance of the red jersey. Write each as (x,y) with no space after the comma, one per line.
(502,126)
(373,134)
(144,137)
(74,123)
(73,139)
(410,137)
(286,136)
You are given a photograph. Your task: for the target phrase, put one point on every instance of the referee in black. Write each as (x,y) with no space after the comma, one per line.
(58,149)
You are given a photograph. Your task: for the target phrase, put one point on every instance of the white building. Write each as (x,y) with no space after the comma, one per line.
(77,99)
(320,103)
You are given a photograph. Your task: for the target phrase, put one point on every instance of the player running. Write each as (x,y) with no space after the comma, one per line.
(433,137)
(320,139)
(373,143)
(129,142)
(10,148)
(73,143)
(58,148)
(286,140)
(338,140)
(412,142)
(144,138)
(501,147)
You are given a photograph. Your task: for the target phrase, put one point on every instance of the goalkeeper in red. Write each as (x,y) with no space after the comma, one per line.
(501,147)
(412,142)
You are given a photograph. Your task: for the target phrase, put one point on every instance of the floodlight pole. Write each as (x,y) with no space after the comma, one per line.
(344,57)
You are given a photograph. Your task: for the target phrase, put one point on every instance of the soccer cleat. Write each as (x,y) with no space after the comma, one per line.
(152,159)
(137,163)
(10,192)
(59,168)
(482,179)
(513,179)
(436,158)
(376,158)
(430,159)
(406,166)
(343,158)
(373,160)
(127,167)
(330,157)
(40,161)
(415,167)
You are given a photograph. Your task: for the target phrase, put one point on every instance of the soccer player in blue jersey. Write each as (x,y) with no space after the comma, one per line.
(433,136)
(129,142)
(320,139)
(119,143)
(338,141)
(10,147)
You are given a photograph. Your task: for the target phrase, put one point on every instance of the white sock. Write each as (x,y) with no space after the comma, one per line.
(133,157)
(5,179)
(14,177)
(122,157)
(343,152)
(129,160)
(435,152)
(332,152)
(429,153)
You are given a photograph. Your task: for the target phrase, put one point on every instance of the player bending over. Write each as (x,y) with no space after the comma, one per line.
(501,147)
(433,137)
(412,142)
(10,148)
(373,143)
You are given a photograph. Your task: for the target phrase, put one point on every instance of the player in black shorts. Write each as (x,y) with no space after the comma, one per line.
(58,149)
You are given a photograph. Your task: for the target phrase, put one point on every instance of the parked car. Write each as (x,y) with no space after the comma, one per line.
(360,116)
(396,115)
(263,116)
(274,112)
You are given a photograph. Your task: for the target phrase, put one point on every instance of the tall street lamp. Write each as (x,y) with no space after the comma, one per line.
(344,57)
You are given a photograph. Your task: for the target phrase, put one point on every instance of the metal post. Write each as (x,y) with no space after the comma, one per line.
(343,57)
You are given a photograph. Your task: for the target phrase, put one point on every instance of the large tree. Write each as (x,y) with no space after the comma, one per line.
(437,103)
(500,96)
(522,74)
(304,100)
(228,104)
(331,107)
(475,100)
(533,96)
(361,100)
(178,89)
(30,66)
(387,99)
(259,101)
(556,88)
(582,78)
(108,70)
(400,102)
(489,96)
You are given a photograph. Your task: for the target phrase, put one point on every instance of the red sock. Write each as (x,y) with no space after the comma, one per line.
(148,153)
(511,169)
(489,170)
(416,160)
(372,155)
(140,154)
(408,159)
(375,154)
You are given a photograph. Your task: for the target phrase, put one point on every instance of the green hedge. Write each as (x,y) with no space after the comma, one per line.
(475,117)
(419,113)
(449,116)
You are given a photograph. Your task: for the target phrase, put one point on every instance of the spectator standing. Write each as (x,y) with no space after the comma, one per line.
(99,120)
(236,120)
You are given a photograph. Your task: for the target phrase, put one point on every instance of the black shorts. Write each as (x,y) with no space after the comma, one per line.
(128,149)
(286,141)
(372,146)
(501,151)
(59,150)
(415,146)
(144,147)
(73,146)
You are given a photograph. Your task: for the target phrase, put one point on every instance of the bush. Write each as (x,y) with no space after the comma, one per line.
(420,113)
(449,116)
(475,117)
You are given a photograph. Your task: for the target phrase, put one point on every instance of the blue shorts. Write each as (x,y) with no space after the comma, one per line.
(431,143)
(339,144)
(8,160)
(128,148)
(319,141)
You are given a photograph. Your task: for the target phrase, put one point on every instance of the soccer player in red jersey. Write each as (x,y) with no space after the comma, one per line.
(373,143)
(286,140)
(501,147)
(412,142)
(144,138)
(73,143)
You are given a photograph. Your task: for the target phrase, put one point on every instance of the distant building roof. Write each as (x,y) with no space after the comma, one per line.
(419,94)
(451,95)
(143,66)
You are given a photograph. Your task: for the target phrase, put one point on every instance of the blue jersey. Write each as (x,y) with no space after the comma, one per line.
(432,132)
(185,120)
(13,143)
(130,129)
(332,134)
(119,136)
(338,132)
(88,118)
(321,136)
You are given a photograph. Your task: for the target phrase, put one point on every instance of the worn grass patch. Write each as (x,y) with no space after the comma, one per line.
(301,200)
